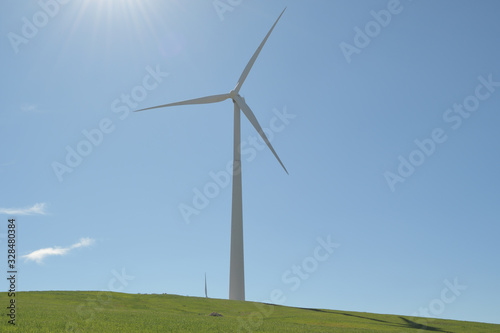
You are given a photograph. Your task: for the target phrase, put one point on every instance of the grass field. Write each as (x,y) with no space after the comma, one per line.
(78,311)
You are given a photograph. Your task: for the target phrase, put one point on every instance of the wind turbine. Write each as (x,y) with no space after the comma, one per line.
(236,268)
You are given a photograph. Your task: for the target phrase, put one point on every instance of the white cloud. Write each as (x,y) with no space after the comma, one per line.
(6,164)
(38,208)
(84,242)
(30,108)
(41,254)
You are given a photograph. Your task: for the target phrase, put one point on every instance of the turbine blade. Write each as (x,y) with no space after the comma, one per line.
(254,57)
(251,117)
(201,100)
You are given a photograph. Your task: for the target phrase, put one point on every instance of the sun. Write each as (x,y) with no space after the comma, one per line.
(102,30)
(110,6)
(105,21)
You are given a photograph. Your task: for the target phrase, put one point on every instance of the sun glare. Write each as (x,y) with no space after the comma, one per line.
(107,20)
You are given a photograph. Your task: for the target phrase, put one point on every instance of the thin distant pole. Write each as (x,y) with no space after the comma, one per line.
(206,285)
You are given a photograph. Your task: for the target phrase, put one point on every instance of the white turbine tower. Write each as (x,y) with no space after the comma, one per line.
(237,272)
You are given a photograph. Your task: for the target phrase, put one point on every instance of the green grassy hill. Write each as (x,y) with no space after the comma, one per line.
(77,311)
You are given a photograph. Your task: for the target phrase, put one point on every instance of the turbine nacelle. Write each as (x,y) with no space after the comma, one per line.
(232,94)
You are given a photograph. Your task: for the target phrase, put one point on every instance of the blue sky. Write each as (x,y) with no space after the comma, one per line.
(385,114)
